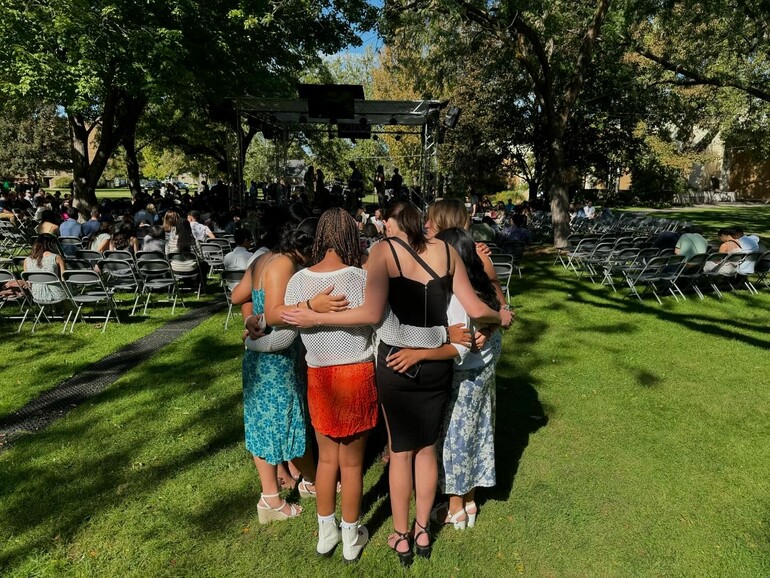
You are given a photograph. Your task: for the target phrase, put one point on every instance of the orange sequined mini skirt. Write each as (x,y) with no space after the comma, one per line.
(342,399)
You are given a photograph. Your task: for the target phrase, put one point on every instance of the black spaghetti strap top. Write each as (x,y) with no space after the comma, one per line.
(415,303)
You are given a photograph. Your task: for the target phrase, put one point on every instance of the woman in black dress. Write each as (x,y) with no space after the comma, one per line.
(416,276)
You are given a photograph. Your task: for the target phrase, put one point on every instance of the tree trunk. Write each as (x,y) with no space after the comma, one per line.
(533,186)
(132,163)
(84,191)
(559,188)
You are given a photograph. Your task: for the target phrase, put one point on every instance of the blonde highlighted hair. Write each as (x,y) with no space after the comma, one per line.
(448,214)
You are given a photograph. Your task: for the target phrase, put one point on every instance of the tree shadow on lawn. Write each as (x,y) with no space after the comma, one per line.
(581,290)
(47,493)
(754,220)
(519,412)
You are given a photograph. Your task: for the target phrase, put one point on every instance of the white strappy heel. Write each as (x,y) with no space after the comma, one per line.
(269,514)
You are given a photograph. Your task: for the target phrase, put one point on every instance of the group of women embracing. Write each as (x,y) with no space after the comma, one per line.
(409,333)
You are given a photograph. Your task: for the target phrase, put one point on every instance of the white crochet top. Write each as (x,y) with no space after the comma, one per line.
(327,345)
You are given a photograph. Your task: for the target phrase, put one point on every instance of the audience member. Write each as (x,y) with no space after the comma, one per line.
(691,243)
(91,227)
(155,239)
(239,257)
(70,227)
(44,258)
(200,231)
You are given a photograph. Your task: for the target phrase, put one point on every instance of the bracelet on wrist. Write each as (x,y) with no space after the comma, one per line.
(448,340)
(308,305)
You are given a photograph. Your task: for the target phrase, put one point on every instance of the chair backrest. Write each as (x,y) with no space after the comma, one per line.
(78,265)
(763,263)
(70,241)
(497,258)
(49,279)
(144,255)
(224,242)
(82,279)
(515,249)
(88,255)
(155,269)
(211,251)
(6,276)
(231,277)
(120,255)
(503,271)
(118,271)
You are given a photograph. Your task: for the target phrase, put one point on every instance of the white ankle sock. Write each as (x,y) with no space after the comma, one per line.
(329,518)
(348,525)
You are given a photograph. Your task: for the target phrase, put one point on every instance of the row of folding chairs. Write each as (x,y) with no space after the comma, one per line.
(84,283)
(676,274)
(75,290)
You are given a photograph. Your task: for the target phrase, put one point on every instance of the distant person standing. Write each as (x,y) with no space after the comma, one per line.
(396,183)
(203,187)
(355,185)
(379,185)
(310,184)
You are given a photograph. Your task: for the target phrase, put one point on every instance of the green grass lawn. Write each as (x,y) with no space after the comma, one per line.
(632,441)
(36,362)
(754,218)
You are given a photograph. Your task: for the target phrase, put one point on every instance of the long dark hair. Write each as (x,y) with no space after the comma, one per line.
(409,220)
(44,243)
(184,236)
(462,241)
(337,230)
(299,232)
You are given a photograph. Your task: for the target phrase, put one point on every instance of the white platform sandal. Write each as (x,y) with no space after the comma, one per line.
(269,514)
(450,518)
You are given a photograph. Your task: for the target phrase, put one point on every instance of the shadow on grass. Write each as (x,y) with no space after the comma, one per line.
(54,482)
(519,412)
(580,290)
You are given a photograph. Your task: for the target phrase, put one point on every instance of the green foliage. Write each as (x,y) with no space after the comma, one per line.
(34,139)
(64,183)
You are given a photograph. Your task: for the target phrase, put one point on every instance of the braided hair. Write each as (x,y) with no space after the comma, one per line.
(337,230)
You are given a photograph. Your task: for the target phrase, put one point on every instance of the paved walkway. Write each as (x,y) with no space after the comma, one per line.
(67,395)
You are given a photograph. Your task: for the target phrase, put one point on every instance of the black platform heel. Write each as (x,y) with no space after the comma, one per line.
(423,551)
(407,557)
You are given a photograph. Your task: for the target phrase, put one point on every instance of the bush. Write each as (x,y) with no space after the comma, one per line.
(654,183)
(518,196)
(62,183)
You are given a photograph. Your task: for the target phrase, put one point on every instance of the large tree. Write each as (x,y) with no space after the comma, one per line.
(104,61)
(551,41)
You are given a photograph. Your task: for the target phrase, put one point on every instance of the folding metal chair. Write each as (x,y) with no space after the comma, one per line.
(230,278)
(212,254)
(52,281)
(187,266)
(516,250)
(89,255)
(689,274)
(157,276)
(87,288)
(504,272)
(762,270)
(19,296)
(120,277)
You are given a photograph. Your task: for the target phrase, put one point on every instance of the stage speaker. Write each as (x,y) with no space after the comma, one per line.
(331,100)
(452,116)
